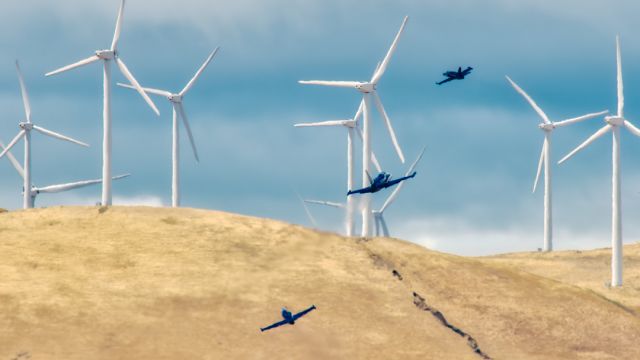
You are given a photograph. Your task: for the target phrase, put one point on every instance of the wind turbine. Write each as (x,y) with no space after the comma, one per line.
(34,190)
(547,126)
(51,188)
(378,215)
(352,128)
(176,101)
(107,56)
(368,90)
(614,123)
(25,132)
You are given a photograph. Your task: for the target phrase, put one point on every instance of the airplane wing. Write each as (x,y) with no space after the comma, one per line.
(275,325)
(360,191)
(303,312)
(396,181)
(444,81)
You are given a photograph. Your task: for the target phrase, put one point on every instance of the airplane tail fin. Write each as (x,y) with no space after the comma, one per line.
(459,69)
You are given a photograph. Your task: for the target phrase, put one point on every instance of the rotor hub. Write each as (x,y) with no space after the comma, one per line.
(614,120)
(25,126)
(106,54)
(366,88)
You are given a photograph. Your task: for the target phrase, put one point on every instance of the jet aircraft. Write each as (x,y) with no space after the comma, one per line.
(455,75)
(380,182)
(288,318)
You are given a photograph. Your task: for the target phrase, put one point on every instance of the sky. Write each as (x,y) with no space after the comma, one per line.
(472,195)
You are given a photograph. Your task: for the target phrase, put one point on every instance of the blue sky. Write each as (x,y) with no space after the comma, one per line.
(472,194)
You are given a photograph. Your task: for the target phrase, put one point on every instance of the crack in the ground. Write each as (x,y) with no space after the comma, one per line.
(421,304)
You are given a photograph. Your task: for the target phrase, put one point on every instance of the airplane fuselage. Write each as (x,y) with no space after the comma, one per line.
(454,75)
(286,314)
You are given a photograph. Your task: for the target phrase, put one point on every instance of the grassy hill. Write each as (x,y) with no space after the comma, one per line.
(156,283)
(587,269)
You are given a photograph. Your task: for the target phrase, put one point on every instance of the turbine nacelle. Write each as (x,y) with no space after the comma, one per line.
(366,88)
(547,126)
(614,120)
(27,126)
(175,98)
(106,54)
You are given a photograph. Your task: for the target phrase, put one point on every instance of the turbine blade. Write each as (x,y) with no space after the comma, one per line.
(345,84)
(396,191)
(632,128)
(125,71)
(579,118)
(116,35)
(14,162)
(374,159)
(326,203)
(535,183)
(78,64)
(387,122)
(199,72)
(415,163)
(58,136)
(183,115)
(25,95)
(74,185)
(619,76)
(385,229)
(147,90)
(347,123)
(312,220)
(12,143)
(530,100)
(383,66)
(359,112)
(591,139)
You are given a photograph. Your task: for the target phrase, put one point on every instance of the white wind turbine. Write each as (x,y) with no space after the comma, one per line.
(33,193)
(614,123)
(178,110)
(547,126)
(368,90)
(107,56)
(378,215)
(25,132)
(352,127)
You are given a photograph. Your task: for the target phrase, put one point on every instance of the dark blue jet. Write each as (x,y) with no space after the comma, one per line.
(455,75)
(289,318)
(380,182)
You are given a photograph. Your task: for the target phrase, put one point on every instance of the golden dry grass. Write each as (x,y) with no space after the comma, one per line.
(151,283)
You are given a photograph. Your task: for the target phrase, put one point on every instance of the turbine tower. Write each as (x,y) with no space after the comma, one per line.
(547,127)
(178,111)
(107,56)
(25,132)
(378,215)
(352,128)
(614,123)
(369,90)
